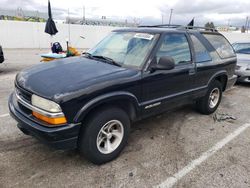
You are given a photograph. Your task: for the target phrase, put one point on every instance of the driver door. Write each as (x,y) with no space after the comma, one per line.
(164,89)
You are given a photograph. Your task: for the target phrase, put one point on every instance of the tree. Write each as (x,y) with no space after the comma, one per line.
(210,25)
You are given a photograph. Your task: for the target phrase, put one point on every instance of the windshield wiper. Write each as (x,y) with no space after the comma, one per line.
(87,54)
(107,59)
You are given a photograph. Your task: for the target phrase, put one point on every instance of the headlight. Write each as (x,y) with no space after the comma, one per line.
(45,104)
(49,106)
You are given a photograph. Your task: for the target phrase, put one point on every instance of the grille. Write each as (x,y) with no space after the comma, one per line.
(24,94)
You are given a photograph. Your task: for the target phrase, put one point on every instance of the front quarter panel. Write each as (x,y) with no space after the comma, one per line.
(127,85)
(106,98)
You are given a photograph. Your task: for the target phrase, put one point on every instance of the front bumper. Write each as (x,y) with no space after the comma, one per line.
(64,137)
(243,75)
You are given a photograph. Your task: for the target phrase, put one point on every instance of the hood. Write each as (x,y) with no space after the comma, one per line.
(70,75)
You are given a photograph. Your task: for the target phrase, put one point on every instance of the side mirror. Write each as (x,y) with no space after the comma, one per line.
(165,63)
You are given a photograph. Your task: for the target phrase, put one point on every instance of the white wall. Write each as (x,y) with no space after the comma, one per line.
(17,34)
(237,37)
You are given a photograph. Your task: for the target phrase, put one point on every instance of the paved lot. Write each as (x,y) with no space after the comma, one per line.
(171,145)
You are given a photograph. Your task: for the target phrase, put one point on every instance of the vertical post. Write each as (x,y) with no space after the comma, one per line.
(228,25)
(68,25)
(38,30)
(246,23)
(170,16)
(83,14)
(162,19)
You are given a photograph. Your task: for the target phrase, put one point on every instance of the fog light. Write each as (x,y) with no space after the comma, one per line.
(52,121)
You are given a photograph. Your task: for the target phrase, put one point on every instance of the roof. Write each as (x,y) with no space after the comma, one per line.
(158,29)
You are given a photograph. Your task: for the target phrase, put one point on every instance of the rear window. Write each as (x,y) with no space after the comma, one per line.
(201,53)
(221,45)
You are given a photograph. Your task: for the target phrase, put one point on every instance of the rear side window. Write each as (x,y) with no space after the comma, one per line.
(201,53)
(175,46)
(221,45)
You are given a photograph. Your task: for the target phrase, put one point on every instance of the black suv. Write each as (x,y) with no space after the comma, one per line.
(1,55)
(89,102)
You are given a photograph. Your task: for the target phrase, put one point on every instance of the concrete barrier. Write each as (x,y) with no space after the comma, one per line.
(237,37)
(18,34)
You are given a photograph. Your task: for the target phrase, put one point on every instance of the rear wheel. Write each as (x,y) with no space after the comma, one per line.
(210,102)
(105,135)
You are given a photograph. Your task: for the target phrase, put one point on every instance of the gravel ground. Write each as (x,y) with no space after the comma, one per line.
(158,147)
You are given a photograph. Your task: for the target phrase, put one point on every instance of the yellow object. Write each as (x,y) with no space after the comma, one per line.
(52,121)
(73,51)
(46,59)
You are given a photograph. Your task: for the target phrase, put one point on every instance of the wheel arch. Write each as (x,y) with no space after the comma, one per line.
(222,77)
(124,100)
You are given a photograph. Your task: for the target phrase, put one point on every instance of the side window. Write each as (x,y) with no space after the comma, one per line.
(201,53)
(221,45)
(176,46)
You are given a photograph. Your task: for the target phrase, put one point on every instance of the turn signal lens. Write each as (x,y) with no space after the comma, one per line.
(52,121)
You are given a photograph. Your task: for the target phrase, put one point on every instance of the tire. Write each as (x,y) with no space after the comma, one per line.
(94,144)
(206,105)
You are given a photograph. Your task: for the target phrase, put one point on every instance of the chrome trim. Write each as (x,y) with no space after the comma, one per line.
(170,96)
(38,110)
(153,105)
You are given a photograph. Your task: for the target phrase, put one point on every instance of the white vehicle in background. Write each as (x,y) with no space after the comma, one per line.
(242,50)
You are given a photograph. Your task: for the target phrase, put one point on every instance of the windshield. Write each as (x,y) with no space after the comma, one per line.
(242,48)
(125,48)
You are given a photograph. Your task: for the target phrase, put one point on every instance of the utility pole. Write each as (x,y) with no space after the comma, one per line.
(246,24)
(68,26)
(83,14)
(162,19)
(228,25)
(170,16)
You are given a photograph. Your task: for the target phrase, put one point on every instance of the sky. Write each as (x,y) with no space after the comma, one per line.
(221,12)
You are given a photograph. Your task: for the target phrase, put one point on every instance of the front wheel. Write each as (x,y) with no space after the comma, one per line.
(210,102)
(105,135)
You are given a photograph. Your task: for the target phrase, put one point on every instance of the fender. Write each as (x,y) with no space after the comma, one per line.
(220,73)
(105,98)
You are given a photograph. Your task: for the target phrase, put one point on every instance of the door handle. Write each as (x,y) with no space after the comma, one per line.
(191,72)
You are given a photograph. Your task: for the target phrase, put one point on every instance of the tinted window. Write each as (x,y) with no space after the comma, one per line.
(221,45)
(176,46)
(242,48)
(201,53)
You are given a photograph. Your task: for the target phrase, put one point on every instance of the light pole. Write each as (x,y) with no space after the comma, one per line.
(247,25)
(68,26)
(170,16)
(83,15)
(246,22)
